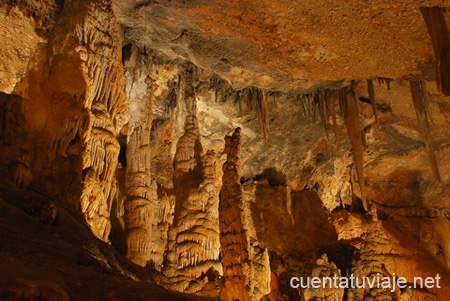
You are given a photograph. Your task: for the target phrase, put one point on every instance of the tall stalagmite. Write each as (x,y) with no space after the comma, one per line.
(148,208)
(233,238)
(139,209)
(192,262)
(246,271)
(193,240)
(258,274)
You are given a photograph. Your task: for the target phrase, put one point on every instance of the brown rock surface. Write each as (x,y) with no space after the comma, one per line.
(282,45)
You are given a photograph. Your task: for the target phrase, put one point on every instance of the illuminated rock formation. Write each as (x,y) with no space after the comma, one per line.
(73,100)
(105,99)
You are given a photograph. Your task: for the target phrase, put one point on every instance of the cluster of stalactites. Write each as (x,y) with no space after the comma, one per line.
(257,100)
(322,105)
(253,98)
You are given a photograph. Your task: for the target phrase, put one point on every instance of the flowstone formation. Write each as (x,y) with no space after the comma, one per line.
(189,150)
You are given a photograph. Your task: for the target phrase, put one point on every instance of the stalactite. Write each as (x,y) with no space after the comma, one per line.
(239,100)
(332,105)
(263,112)
(187,89)
(302,100)
(171,101)
(247,93)
(372,99)
(321,104)
(383,80)
(440,39)
(312,107)
(349,109)
(418,93)
(426,101)
(257,99)
(326,104)
(214,84)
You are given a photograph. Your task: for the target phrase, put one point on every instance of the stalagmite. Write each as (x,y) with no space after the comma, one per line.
(349,109)
(372,99)
(258,282)
(192,260)
(193,239)
(139,211)
(419,93)
(135,163)
(234,238)
(440,39)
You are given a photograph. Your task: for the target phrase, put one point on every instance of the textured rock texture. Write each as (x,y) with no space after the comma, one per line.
(219,148)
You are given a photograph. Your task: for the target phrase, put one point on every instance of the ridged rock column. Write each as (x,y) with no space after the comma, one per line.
(245,263)
(194,247)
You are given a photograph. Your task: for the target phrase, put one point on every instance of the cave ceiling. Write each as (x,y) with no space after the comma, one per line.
(286,45)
